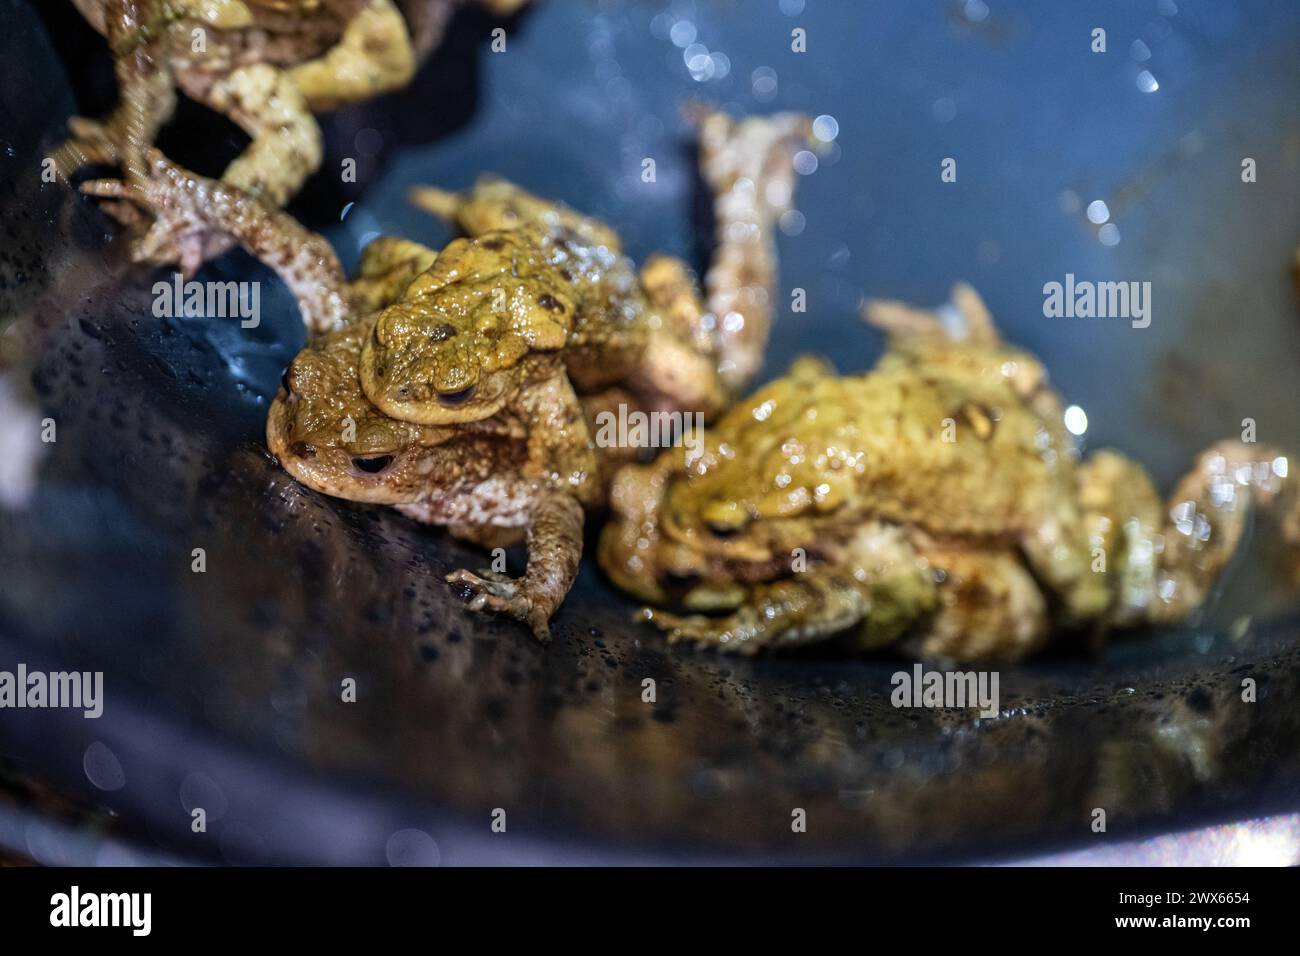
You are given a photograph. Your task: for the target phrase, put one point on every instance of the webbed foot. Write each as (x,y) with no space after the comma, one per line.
(502,594)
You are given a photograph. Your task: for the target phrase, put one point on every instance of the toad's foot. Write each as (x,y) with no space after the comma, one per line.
(502,594)
(748,166)
(92,144)
(554,549)
(783,614)
(1207,515)
(193,216)
(179,232)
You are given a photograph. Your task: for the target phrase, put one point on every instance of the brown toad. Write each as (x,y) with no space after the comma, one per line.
(268,65)
(658,352)
(937,497)
(535,283)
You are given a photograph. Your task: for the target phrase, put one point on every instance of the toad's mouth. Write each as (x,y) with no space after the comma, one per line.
(331,469)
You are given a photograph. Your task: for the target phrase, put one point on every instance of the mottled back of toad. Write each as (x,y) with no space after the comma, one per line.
(453,349)
(956,454)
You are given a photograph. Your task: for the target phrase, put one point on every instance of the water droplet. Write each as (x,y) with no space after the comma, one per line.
(102,767)
(682,33)
(1098,211)
(412,848)
(826,127)
(1076,420)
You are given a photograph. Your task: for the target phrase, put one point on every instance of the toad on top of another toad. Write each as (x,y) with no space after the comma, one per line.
(534,310)
(936,498)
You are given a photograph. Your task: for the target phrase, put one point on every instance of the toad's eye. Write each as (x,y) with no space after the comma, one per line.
(452,399)
(442,332)
(372,466)
(680,577)
(724,531)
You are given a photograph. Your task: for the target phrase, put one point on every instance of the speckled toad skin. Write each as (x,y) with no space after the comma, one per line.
(497,333)
(936,498)
(268,65)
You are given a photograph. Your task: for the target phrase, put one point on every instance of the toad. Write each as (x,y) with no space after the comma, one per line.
(532,323)
(937,500)
(268,65)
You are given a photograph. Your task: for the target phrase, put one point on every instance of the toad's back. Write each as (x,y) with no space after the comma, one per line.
(953,456)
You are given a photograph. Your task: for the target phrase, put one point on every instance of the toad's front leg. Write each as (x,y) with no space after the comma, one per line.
(554,549)
(190,210)
(876,580)
(785,613)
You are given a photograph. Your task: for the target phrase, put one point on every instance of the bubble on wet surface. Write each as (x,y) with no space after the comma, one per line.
(102,767)
(805,162)
(412,847)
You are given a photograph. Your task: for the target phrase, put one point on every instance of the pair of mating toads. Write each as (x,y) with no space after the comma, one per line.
(936,500)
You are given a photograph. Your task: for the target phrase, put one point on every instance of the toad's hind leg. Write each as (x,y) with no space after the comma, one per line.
(188,208)
(990,608)
(286,140)
(146,95)
(1207,515)
(965,318)
(554,549)
(786,613)
(493,204)
(748,166)
(678,368)
(374,55)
